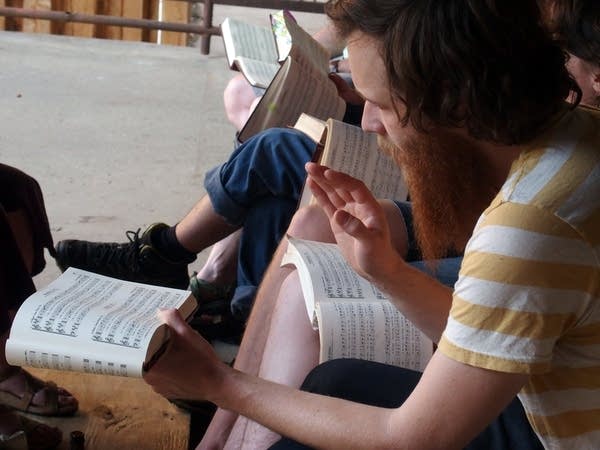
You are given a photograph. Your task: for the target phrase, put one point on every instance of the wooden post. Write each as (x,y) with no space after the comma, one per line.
(207,16)
(33,25)
(85,7)
(175,11)
(109,8)
(13,23)
(133,9)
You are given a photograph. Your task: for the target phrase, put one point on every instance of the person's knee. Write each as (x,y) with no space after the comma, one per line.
(238,98)
(312,223)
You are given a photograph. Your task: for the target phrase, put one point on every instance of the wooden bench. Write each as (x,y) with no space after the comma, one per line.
(312,6)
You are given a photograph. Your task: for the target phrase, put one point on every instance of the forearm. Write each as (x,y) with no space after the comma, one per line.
(317,421)
(422,299)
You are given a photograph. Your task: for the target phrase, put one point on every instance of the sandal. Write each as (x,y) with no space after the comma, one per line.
(33,385)
(207,292)
(32,435)
(213,299)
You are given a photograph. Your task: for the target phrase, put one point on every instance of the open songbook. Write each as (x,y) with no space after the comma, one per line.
(296,79)
(354,319)
(258,51)
(91,323)
(347,148)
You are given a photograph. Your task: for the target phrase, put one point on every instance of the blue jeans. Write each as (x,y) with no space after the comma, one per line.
(258,188)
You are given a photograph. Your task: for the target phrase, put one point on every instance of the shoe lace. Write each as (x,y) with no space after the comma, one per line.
(122,257)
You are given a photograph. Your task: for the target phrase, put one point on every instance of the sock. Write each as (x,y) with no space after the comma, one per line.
(166,243)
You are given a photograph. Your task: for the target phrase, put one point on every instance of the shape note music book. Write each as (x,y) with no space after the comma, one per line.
(290,64)
(87,322)
(354,318)
(349,149)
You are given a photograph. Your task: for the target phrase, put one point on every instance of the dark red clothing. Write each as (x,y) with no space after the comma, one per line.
(20,192)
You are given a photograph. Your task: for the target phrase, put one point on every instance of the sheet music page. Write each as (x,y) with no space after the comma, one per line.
(325,275)
(351,150)
(296,89)
(248,40)
(375,331)
(305,91)
(88,322)
(302,43)
(258,73)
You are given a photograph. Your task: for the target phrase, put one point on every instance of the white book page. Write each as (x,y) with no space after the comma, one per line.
(325,275)
(294,90)
(258,73)
(374,331)
(302,43)
(311,126)
(88,322)
(248,40)
(351,150)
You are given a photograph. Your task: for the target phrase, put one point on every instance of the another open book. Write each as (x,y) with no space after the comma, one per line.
(91,323)
(347,148)
(353,317)
(300,83)
(258,51)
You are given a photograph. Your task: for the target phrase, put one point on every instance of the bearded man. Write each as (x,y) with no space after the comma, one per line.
(470,94)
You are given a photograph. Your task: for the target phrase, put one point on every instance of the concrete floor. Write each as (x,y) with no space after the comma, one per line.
(118,134)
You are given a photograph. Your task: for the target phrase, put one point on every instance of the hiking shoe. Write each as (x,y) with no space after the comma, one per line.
(136,260)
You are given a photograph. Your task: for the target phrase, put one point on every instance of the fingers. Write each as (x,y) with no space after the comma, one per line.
(176,323)
(339,187)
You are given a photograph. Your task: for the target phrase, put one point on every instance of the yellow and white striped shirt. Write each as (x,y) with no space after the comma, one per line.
(528,296)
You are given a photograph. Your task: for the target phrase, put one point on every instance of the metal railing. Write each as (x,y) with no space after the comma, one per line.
(206,29)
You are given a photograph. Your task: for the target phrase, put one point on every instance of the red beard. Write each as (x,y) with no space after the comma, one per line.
(449,184)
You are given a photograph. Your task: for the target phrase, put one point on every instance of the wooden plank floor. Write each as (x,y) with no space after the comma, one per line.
(118,413)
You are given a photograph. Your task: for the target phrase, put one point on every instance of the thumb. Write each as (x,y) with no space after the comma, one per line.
(175,321)
(350,224)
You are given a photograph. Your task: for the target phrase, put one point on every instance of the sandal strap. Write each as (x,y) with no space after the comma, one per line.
(198,286)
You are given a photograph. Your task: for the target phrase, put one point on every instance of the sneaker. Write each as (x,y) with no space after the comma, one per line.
(136,260)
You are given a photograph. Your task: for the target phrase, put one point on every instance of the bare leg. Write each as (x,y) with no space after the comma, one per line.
(250,353)
(202,227)
(249,356)
(238,98)
(221,264)
(308,223)
(291,352)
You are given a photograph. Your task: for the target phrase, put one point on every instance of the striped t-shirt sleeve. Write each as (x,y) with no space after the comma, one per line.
(526,279)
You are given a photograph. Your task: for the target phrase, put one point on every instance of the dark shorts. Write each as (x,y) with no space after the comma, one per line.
(389,386)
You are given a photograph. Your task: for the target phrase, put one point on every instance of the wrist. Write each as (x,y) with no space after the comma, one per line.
(393,272)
